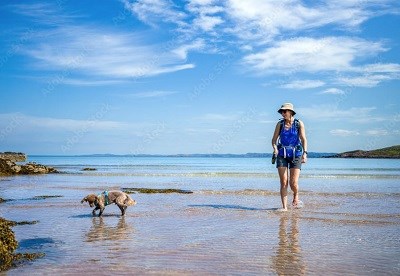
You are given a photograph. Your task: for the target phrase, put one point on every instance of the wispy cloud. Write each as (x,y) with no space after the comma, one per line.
(153,94)
(182,50)
(377,132)
(333,91)
(312,55)
(154,11)
(333,113)
(44,13)
(344,132)
(303,84)
(202,130)
(34,122)
(371,132)
(208,25)
(98,52)
(217,117)
(365,80)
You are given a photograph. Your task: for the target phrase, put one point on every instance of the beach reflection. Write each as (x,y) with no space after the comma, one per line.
(288,258)
(100,231)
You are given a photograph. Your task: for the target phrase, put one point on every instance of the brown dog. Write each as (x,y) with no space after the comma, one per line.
(123,200)
(90,199)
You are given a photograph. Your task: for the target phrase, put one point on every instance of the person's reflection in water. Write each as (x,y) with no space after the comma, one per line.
(100,231)
(288,259)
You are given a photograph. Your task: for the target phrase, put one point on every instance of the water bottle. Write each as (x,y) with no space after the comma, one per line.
(273,158)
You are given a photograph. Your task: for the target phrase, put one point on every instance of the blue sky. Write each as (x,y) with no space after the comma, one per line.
(151,76)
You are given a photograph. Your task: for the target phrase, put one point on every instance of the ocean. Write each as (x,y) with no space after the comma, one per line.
(229,225)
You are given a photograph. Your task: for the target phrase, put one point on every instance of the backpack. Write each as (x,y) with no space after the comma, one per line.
(290,151)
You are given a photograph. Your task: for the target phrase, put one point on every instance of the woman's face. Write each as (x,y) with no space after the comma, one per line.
(286,114)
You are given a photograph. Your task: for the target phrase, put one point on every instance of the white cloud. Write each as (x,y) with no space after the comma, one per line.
(217,117)
(96,52)
(265,19)
(377,132)
(153,11)
(82,82)
(312,55)
(333,91)
(93,122)
(205,14)
(303,84)
(344,132)
(382,68)
(332,113)
(199,130)
(153,94)
(364,81)
(208,25)
(182,50)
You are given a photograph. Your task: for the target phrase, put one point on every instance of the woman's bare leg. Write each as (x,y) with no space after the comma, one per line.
(283,177)
(294,184)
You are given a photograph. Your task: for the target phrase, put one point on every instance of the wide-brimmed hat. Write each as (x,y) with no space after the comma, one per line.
(287,106)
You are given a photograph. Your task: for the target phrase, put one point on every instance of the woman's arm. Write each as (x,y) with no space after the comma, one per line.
(275,138)
(303,139)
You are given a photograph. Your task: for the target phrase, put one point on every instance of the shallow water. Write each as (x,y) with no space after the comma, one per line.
(230,224)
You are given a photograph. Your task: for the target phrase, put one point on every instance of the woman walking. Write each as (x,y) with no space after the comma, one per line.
(290,149)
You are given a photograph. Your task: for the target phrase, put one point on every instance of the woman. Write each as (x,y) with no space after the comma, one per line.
(290,148)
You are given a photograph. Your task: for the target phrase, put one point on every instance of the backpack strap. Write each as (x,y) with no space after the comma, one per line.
(296,124)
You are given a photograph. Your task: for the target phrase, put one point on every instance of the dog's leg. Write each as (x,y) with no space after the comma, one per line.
(121,202)
(122,208)
(101,207)
(94,211)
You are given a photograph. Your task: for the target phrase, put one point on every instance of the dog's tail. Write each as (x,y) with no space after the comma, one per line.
(129,201)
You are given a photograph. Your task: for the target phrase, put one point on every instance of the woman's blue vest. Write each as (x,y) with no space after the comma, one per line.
(289,140)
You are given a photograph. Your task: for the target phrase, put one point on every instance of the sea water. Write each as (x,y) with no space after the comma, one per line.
(229,224)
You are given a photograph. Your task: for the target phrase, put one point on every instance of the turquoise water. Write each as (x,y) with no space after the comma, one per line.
(228,225)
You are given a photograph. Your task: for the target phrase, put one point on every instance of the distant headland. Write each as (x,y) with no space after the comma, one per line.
(389,152)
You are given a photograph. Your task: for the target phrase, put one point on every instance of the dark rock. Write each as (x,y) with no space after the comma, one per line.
(8,245)
(8,167)
(13,156)
(155,191)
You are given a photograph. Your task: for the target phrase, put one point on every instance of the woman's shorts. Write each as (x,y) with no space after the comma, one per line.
(288,162)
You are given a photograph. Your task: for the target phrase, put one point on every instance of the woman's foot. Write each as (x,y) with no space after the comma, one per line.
(297,204)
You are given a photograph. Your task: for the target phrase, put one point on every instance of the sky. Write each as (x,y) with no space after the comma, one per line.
(201,76)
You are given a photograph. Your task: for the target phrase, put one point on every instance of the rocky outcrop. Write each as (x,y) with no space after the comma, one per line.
(8,167)
(389,152)
(8,245)
(13,156)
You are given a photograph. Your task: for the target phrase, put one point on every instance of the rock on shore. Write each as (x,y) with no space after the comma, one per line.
(9,167)
(13,156)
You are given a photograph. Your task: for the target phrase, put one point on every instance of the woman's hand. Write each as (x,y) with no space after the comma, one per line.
(304,158)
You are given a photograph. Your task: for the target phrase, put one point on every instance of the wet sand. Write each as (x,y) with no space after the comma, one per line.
(209,232)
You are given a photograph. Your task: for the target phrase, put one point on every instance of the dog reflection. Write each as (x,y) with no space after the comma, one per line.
(100,231)
(288,258)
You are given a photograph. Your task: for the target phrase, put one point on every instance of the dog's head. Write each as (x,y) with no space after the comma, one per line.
(91,199)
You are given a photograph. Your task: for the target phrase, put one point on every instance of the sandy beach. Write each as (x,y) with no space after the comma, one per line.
(219,231)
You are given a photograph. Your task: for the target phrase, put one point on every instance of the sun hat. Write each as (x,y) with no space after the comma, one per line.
(287,106)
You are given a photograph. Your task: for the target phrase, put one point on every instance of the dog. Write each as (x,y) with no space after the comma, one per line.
(123,200)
